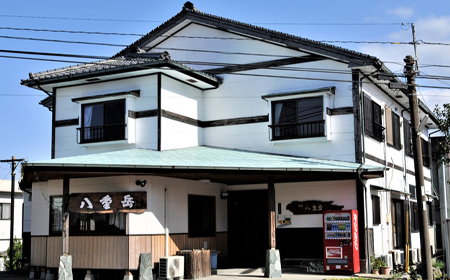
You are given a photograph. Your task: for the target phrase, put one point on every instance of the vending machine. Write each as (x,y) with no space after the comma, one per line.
(341,241)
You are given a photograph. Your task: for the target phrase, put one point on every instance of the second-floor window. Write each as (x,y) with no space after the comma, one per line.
(408,138)
(298,118)
(372,119)
(426,152)
(393,129)
(103,121)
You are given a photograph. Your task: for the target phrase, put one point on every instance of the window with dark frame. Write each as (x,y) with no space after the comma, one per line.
(103,121)
(412,191)
(398,223)
(372,119)
(408,138)
(5,211)
(201,216)
(97,224)
(392,129)
(396,131)
(298,118)
(376,210)
(414,216)
(430,210)
(85,224)
(426,152)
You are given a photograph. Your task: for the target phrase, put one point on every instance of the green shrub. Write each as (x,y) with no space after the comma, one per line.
(17,257)
(438,264)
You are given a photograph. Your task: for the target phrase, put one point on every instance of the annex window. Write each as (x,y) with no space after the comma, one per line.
(398,223)
(426,152)
(298,118)
(372,119)
(5,211)
(376,210)
(408,138)
(103,122)
(412,191)
(414,217)
(430,210)
(392,129)
(86,224)
(201,216)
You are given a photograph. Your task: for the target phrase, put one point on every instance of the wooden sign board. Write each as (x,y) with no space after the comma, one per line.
(127,202)
(311,207)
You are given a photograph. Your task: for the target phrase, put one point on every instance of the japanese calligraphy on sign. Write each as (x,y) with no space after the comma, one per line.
(311,207)
(128,202)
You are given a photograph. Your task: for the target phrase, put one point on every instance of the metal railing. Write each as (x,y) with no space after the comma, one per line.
(102,133)
(298,130)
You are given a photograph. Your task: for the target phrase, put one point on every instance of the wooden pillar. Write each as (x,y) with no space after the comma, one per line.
(272,220)
(65,230)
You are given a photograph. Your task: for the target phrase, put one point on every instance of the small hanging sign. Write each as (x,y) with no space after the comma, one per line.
(128,202)
(311,207)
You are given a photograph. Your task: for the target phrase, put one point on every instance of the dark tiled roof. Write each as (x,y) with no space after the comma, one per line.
(137,58)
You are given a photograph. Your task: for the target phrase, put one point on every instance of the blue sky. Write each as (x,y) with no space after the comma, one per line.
(25,127)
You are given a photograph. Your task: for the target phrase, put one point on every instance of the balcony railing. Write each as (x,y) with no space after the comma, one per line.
(102,133)
(298,130)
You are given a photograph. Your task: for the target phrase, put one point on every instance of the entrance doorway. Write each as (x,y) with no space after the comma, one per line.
(248,228)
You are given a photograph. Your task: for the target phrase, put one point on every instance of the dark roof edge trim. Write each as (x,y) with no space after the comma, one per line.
(136,93)
(331,89)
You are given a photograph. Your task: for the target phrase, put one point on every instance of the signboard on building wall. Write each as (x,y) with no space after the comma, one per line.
(127,202)
(312,207)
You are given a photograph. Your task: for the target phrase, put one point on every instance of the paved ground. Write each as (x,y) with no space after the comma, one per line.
(250,274)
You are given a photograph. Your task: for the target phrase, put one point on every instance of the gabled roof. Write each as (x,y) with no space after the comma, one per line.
(194,162)
(191,14)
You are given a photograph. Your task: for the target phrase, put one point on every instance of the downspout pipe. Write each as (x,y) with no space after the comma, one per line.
(166,229)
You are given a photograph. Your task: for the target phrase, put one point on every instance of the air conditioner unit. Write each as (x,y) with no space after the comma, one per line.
(171,267)
(398,257)
(387,259)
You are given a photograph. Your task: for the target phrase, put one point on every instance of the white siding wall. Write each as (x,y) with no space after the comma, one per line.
(179,98)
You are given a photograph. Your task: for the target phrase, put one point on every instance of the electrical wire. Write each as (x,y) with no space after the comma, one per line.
(62,41)
(327,71)
(139,20)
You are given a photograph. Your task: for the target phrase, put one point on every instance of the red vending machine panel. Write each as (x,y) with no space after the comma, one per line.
(341,241)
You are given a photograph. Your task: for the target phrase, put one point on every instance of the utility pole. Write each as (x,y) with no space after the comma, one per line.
(14,163)
(427,270)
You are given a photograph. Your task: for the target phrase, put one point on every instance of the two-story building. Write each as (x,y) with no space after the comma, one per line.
(213,127)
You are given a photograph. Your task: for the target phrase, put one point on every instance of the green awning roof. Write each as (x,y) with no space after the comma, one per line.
(203,158)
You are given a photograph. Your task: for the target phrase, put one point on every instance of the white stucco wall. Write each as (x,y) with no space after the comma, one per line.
(150,222)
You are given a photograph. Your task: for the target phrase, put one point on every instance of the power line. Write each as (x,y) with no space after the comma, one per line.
(54,54)
(77,18)
(270,23)
(287,68)
(63,41)
(71,31)
(201,37)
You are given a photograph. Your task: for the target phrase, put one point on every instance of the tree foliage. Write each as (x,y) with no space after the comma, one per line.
(17,257)
(443,148)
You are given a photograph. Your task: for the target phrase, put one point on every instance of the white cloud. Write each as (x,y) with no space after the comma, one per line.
(401,12)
